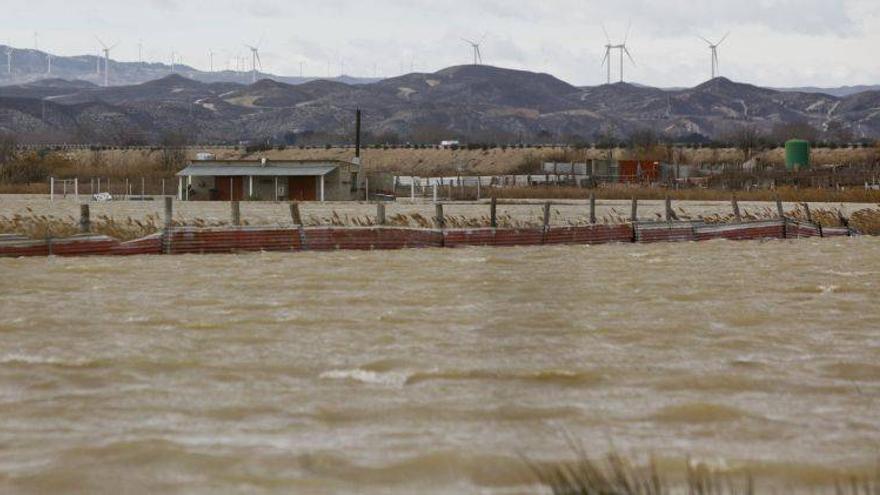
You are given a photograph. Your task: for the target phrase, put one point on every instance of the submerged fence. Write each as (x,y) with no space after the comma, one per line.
(297,237)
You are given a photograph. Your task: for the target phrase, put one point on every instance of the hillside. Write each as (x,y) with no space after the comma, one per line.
(30,65)
(472,103)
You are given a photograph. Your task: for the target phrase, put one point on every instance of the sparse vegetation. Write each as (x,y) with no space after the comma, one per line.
(617,476)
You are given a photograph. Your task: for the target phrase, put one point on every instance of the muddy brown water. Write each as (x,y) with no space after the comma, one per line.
(435,371)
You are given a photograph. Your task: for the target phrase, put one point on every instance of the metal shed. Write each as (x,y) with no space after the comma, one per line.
(265,180)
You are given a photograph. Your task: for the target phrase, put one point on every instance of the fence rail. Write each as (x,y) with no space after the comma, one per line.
(297,237)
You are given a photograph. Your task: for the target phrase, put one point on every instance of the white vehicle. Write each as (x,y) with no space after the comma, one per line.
(449,144)
(102,197)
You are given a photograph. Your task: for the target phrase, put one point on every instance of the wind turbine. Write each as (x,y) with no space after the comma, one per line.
(173,59)
(106,50)
(255,59)
(714,48)
(211,56)
(606,62)
(478,56)
(622,48)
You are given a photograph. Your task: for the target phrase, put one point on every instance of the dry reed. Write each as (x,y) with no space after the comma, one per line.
(35,226)
(617,476)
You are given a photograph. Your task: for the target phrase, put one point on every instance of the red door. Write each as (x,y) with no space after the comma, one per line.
(229,188)
(303,188)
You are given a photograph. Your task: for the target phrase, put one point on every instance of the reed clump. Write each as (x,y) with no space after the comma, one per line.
(617,476)
(41,226)
(787,194)
(35,226)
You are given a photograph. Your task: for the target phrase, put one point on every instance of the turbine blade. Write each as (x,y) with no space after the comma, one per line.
(723,39)
(100,42)
(707,41)
(607,54)
(483,38)
(608,38)
(631,59)
(468,41)
(259,61)
(628,30)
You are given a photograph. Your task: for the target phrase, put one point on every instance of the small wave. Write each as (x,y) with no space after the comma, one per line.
(390,379)
(45,360)
(558,377)
(382,373)
(854,371)
(698,412)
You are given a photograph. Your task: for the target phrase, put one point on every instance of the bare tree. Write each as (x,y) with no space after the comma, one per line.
(795,130)
(838,133)
(746,138)
(173,145)
(644,144)
(8,148)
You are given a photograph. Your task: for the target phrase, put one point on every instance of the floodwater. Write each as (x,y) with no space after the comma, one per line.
(434,371)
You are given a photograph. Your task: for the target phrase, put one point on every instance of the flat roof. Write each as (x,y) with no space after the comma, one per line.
(257,168)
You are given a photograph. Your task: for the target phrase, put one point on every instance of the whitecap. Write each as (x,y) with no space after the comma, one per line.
(388,379)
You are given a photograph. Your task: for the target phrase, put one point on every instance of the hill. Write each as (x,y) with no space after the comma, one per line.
(472,103)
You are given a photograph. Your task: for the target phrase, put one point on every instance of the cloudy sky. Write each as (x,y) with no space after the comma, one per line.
(772,42)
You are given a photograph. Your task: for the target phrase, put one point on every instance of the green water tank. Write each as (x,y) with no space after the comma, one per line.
(797,154)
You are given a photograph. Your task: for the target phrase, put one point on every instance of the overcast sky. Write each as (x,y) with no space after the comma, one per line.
(772,42)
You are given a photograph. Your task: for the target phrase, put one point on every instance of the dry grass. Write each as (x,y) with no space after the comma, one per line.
(39,226)
(866,221)
(617,476)
(787,194)
(36,226)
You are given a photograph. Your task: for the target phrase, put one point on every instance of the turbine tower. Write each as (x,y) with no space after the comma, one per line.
(478,55)
(9,51)
(211,57)
(713,47)
(48,63)
(255,59)
(623,50)
(106,51)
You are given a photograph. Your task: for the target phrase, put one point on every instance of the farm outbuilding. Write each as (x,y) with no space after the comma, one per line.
(263,180)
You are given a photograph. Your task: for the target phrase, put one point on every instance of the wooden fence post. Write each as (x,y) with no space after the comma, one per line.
(85,221)
(380,213)
(439,218)
(634,216)
(592,208)
(670,214)
(295,215)
(809,213)
(779,209)
(166,233)
(493,213)
(236,213)
(736,213)
(546,215)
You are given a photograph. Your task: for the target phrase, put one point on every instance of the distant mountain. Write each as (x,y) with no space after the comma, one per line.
(473,103)
(841,92)
(29,66)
